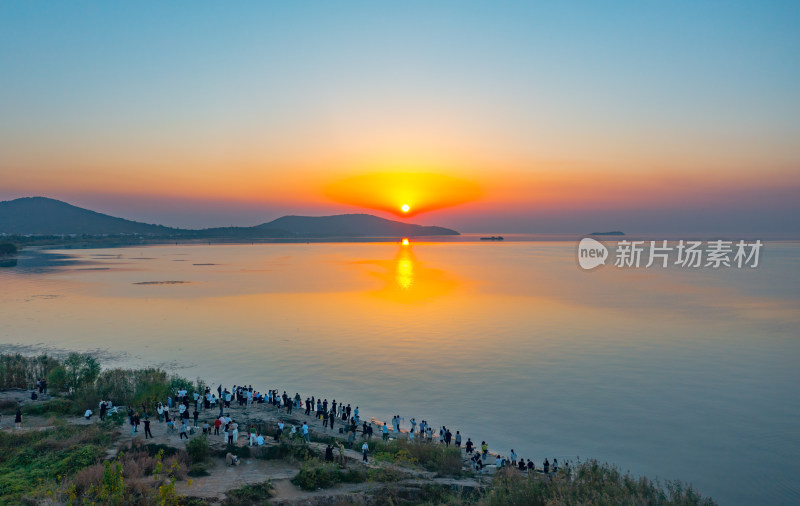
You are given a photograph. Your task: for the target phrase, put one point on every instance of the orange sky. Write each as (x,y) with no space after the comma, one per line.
(476,120)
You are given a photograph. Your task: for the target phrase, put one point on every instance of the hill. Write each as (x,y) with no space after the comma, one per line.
(46,217)
(351,225)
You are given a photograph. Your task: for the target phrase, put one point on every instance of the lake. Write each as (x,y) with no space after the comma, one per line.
(672,373)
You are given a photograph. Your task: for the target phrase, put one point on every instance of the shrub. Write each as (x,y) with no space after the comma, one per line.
(590,483)
(198,469)
(438,458)
(53,406)
(198,448)
(249,494)
(314,475)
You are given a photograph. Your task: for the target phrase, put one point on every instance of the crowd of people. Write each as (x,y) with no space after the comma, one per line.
(181,413)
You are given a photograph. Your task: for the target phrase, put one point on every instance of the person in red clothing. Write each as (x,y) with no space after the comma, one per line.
(217,424)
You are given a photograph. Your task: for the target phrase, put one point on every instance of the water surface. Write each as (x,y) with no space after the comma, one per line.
(688,374)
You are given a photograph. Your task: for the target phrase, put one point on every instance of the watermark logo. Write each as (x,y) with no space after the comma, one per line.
(591,253)
(681,254)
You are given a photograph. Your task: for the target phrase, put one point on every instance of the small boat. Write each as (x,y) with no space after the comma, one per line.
(492,238)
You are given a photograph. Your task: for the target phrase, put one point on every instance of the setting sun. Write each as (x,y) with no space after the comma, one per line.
(405,242)
(403,193)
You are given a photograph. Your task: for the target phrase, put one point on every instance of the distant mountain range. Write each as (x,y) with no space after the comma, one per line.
(45,216)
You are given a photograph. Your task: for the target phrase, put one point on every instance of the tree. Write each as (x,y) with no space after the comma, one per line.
(57,379)
(81,370)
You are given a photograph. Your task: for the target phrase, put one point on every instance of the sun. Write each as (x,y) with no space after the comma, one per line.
(405,242)
(405,208)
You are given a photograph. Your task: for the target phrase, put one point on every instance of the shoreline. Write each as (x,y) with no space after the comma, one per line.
(52,451)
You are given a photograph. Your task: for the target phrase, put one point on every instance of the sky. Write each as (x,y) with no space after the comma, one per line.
(549,117)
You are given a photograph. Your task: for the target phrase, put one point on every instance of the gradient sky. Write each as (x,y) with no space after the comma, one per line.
(555,117)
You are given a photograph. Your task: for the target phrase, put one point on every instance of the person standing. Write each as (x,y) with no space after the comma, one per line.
(365,450)
(484,450)
(469,446)
(196,415)
(385,431)
(18,418)
(147,432)
(447,437)
(513,457)
(458,439)
(305,432)
(184,428)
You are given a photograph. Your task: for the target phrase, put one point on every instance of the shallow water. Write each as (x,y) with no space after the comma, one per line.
(688,374)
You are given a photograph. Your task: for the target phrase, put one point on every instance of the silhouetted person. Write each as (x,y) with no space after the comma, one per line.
(147,432)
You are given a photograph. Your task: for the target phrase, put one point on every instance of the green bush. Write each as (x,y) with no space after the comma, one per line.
(249,495)
(314,475)
(590,483)
(198,469)
(57,379)
(198,448)
(444,460)
(54,406)
(286,450)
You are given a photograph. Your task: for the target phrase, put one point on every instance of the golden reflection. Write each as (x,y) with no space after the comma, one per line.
(405,272)
(407,280)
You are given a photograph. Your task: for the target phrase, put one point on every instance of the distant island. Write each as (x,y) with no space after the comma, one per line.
(615,232)
(32,217)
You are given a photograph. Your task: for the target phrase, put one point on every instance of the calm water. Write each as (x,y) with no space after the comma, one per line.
(669,373)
